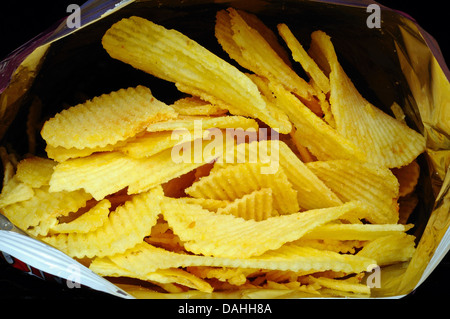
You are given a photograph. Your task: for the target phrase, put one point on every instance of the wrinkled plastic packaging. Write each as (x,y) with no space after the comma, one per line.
(396,61)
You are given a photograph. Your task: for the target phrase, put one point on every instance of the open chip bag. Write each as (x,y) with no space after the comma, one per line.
(235,150)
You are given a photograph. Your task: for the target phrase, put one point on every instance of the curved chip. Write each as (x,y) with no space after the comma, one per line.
(89,221)
(126,227)
(234,181)
(351,180)
(195,106)
(209,233)
(258,205)
(37,214)
(105,267)
(35,171)
(145,258)
(172,56)
(106,173)
(106,119)
(385,140)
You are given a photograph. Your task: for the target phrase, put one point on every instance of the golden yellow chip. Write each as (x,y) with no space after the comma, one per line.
(151,143)
(204,122)
(15,191)
(106,120)
(235,181)
(172,56)
(300,55)
(322,140)
(209,233)
(355,231)
(89,221)
(162,277)
(311,191)
(408,177)
(126,227)
(61,154)
(351,180)
(35,171)
(145,258)
(259,55)
(346,285)
(37,214)
(103,174)
(206,203)
(194,106)
(258,205)
(385,140)
(390,249)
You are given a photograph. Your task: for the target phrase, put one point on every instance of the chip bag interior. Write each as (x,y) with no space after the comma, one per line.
(257,150)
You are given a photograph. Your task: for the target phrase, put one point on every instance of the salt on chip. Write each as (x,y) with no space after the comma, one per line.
(126,227)
(209,233)
(88,221)
(385,140)
(106,119)
(172,56)
(234,181)
(352,180)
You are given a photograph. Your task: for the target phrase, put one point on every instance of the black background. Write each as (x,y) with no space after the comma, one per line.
(21,21)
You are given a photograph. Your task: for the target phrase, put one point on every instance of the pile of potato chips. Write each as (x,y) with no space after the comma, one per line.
(314,210)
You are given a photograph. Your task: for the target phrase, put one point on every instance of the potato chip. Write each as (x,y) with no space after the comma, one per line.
(195,106)
(352,180)
(151,143)
(105,267)
(61,154)
(258,205)
(172,56)
(206,203)
(103,174)
(35,171)
(408,177)
(204,122)
(126,227)
(342,285)
(209,233)
(385,140)
(89,221)
(234,276)
(106,119)
(311,191)
(235,181)
(257,52)
(300,55)
(390,249)
(37,214)
(15,191)
(321,139)
(355,231)
(145,258)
